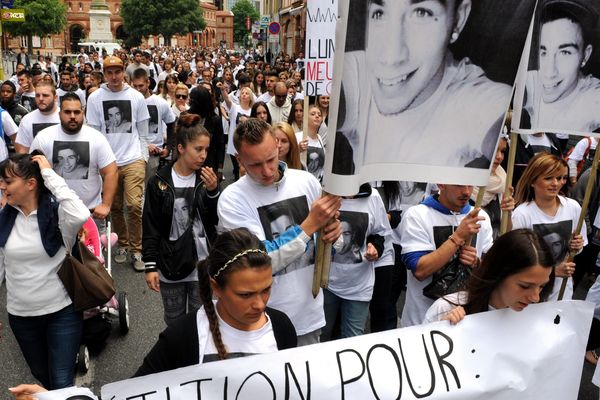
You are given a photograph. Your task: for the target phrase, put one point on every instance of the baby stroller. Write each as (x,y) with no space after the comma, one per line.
(97,322)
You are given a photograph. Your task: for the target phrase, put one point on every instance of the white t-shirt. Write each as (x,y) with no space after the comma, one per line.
(78,158)
(9,128)
(28,101)
(248,204)
(425,229)
(239,343)
(444,304)
(160,115)
(184,193)
(117,115)
(538,144)
(556,231)
(265,97)
(315,157)
(32,124)
(351,276)
(79,92)
(235,113)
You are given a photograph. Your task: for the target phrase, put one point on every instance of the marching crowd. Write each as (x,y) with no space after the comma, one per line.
(141,138)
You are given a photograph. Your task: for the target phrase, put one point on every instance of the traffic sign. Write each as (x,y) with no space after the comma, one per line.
(274,28)
(264,22)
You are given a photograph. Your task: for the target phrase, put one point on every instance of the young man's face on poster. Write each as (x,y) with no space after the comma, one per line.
(406,44)
(562,52)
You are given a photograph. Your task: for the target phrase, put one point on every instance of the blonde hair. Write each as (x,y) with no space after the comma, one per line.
(292,158)
(541,165)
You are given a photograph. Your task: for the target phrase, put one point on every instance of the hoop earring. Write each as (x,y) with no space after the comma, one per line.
(454,37)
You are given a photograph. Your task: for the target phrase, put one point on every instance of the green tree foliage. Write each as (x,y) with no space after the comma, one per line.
(142,18)
(42,18)
(241,10)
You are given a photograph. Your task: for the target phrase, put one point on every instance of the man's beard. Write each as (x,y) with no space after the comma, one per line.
(67,129)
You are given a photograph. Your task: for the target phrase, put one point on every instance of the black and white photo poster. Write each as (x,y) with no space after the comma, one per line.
(560,89)
(422,88)
(71,160)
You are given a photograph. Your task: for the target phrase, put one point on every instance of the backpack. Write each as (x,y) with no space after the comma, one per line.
(581,162)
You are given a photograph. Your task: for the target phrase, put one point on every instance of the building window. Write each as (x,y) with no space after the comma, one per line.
(70,6)
(80,6)
(223,20)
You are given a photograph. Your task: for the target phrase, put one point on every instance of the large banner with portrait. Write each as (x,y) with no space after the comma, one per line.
(559,90)
(421,89)
(503,355)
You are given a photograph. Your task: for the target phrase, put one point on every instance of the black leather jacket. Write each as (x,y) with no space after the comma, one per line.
(158,215)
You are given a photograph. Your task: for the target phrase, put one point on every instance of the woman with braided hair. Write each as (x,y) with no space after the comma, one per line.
(237,272)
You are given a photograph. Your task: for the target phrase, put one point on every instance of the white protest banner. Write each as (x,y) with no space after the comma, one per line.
(321,18)
(420,94)
(560,89)
(499,355)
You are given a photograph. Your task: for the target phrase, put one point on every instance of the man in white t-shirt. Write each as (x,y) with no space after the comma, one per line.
(271,78)
(67,86)
(26,90)
(130,145)
(44,116)
(162,121)
(433,234)
(256,201)
(72,146)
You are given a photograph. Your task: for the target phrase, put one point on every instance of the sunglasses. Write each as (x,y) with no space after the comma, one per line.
(181,96)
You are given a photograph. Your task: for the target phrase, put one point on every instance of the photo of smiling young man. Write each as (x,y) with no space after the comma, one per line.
(562,95)
(406,97)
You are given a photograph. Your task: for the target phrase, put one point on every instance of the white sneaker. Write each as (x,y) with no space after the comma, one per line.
(121,255)
(138,264)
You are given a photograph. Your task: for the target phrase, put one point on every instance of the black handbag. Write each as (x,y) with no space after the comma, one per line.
(450,279)
(87,282)
(177,258)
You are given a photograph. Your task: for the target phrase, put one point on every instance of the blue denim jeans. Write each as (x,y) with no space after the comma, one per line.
(50,344)
(352,314)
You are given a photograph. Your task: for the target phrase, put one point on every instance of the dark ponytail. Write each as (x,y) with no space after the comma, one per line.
(232,250)
(22,166)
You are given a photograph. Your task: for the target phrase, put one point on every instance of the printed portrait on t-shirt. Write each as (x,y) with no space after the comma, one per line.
(117,116)
(37,128)
(315,161)
(557,236)
(276,218)
(410,193)
(28,103)
(442,233)
(71,160)
(181,212)
(354,226)
(153,123)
